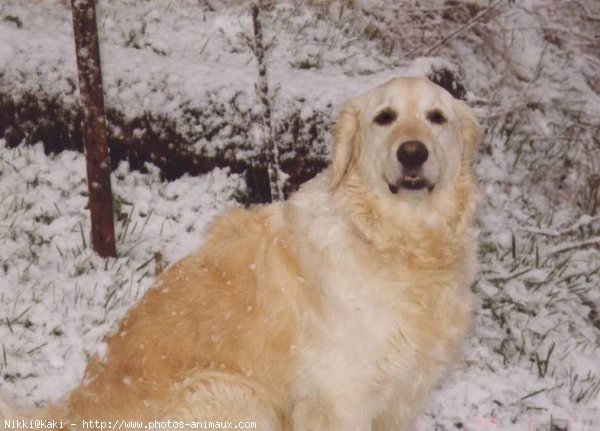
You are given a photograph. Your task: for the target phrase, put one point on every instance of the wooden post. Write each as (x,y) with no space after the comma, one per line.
(94,126)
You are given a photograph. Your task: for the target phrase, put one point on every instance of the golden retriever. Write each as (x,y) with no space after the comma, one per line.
(336,310)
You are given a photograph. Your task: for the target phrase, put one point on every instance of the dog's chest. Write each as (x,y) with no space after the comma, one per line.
(353,349)
(374,334)
(370,340)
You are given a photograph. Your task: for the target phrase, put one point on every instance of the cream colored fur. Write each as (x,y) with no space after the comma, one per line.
(336,310)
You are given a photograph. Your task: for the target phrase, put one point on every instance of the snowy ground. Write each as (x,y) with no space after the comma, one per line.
(58,298)
(533,361)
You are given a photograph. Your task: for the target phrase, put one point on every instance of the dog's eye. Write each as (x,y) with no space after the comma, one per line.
(385,117)
(436,116)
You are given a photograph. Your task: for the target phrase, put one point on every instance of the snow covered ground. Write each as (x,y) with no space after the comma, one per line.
(58,298)
(530,67)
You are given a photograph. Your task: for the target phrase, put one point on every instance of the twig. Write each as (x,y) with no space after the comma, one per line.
(572,246)
(419,51)
(158,263)
(583,221)
(262,90)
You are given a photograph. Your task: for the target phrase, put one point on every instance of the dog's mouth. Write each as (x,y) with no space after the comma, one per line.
(410,181)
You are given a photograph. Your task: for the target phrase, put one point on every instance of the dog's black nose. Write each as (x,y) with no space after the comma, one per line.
(412,154)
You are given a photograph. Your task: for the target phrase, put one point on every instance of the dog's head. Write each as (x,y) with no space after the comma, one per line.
(406,138)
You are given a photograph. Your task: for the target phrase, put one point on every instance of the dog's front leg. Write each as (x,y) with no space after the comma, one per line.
(319,414)
(399,415)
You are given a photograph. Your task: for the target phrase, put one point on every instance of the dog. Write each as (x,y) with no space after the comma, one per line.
(338,309)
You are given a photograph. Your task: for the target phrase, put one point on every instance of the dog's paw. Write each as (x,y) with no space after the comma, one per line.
(318,415)
(311,416)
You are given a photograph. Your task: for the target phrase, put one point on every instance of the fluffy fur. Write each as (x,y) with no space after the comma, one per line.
(336,310)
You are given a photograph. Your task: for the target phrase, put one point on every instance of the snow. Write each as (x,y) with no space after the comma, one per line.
(72,297)
(530,68)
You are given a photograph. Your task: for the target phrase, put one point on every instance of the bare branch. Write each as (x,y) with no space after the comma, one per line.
(425,51)
(262,90)
(574,245)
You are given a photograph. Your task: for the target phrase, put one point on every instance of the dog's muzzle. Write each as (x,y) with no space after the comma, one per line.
(412,155)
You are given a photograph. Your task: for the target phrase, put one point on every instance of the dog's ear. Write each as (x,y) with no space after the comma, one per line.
(470,131)
(346,135)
